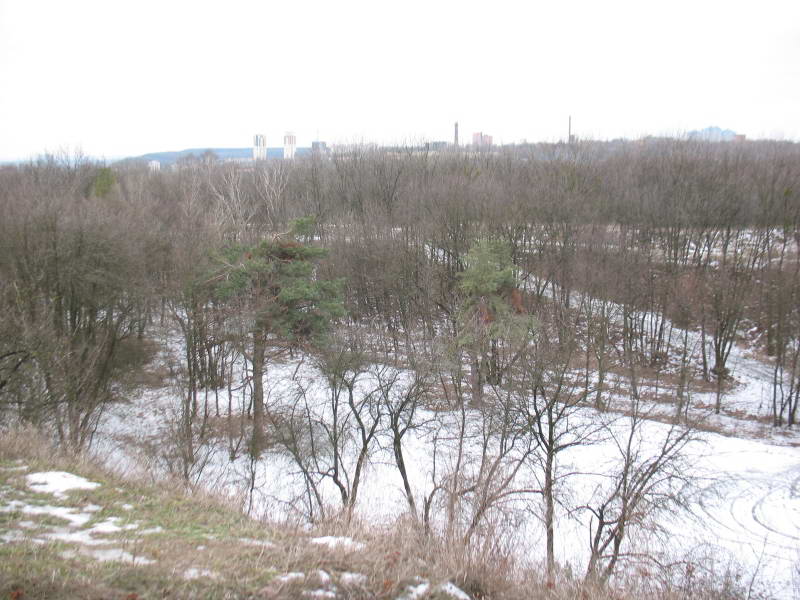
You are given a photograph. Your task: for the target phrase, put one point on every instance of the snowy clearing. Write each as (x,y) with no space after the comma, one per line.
(744,510)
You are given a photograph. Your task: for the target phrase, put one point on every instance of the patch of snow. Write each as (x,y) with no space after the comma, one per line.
(58,482)
(353,578)
(415,591)
(319,594)
(156,529)
(13,536)
(254,542)
(110,526)
(76,519)
(454,591)
(200,548)
(289,577)
(127,507)
(323,577)
(334,542)
(107,526)
(119,555)
(83,536)
(92,508)
(28,524)
(193,573)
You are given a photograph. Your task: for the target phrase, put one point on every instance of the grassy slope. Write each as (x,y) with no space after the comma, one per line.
(197,533)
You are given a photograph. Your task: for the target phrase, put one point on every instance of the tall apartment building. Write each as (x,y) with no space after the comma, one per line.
(260,147)
(481,140)
(289,145)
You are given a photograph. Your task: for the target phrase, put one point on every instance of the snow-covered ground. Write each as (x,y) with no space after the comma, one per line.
(746,406)
(745,509)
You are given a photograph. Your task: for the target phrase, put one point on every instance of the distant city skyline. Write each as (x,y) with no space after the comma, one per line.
(263,147)
(123,79)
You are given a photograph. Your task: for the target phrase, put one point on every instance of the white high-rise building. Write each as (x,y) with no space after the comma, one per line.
(260,147)
(154,166)
(289,145)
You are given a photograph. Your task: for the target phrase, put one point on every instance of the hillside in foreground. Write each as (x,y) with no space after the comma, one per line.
(72,529)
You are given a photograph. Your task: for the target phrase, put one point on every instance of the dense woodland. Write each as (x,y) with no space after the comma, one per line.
(529,285)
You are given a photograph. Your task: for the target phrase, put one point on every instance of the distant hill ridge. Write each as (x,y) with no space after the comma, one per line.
(166,158)
(713,134)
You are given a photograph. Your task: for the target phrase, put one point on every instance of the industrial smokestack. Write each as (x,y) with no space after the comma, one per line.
(455,138)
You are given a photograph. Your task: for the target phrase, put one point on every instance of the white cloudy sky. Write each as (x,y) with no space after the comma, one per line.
(124,77)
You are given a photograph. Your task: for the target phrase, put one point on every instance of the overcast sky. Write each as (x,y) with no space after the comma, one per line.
(123,77)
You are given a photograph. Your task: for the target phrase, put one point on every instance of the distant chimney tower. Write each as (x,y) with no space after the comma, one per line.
(289,145)
(455,138)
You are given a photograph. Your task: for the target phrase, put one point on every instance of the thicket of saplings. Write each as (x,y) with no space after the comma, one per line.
(510,305)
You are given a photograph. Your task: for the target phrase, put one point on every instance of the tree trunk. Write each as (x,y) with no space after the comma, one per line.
(397,445)
(549,517)
(476,381)
(259,351)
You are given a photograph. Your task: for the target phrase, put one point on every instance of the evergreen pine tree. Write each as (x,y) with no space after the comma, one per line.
(492,315)
(275,287)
